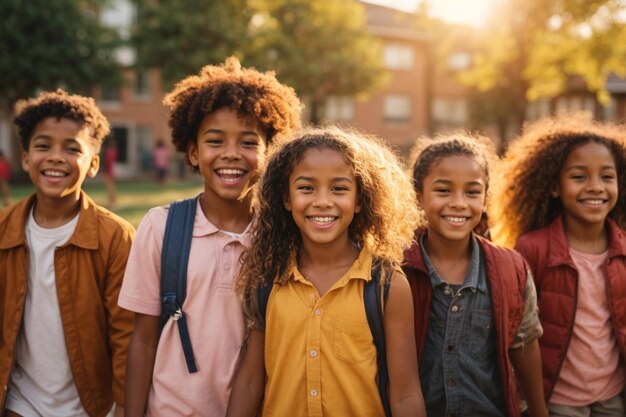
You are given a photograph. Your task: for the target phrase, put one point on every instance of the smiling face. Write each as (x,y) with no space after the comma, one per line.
(453,198)
(228,152)
(323,197)
(587,185)
(61,154)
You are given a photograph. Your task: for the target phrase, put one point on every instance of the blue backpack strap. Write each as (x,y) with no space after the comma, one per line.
(174,261)
(374,310)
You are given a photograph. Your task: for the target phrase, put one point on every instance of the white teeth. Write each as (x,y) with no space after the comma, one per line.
(53,174)
(593,202)
(327,219)
(455,219)
(230,172)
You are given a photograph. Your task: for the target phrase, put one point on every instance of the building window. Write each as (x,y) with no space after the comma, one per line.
(450,110)
(339,108)
(142,84)
(398,57)
(459,61)
(120,135)
(111,92)
(397,108)
(573,104)
(538,109)
(144,139)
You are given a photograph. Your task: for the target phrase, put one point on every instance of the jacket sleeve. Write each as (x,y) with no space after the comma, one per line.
(119,320)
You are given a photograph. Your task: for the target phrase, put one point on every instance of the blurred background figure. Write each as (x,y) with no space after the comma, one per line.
(5,174)
(161,160)
(110,158)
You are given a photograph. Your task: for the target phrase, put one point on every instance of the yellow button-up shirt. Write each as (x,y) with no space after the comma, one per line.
(320,357)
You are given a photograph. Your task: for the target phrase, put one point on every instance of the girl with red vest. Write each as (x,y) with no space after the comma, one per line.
(562,201)
(476,323)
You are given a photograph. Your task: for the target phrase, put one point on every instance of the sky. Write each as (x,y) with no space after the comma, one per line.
(457,11)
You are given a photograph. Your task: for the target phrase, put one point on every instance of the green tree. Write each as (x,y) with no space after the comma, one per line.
(322,48)
(47,44)
(181,36)
(530,48)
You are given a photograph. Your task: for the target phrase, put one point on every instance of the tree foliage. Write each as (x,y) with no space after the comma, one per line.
(319,47)
(529,49)
(50,44)
(181,36)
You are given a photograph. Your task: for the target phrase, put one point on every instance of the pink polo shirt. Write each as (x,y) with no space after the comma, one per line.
(214,316)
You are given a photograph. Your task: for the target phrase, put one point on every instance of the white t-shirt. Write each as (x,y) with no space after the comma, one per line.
(41,382)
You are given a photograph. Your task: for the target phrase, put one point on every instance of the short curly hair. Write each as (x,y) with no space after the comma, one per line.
(427,152)
(385,223)
(61,105)
(257,97)
(531,167)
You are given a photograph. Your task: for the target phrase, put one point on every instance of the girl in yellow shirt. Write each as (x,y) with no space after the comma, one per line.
(331,204)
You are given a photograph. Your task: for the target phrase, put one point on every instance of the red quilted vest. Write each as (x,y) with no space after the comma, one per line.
(556,278)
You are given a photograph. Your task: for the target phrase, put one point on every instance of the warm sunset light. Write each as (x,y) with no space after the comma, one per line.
(471,12)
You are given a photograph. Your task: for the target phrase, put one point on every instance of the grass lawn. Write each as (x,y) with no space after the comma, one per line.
(133,198)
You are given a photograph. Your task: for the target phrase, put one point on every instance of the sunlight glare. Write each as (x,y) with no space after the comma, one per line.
(472,12)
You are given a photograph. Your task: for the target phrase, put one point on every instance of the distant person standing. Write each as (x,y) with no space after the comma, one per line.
(161,159)
(5,174)
(110,158)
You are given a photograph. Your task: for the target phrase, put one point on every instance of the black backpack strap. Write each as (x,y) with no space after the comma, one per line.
(374,310)
(174,261)
(263,296)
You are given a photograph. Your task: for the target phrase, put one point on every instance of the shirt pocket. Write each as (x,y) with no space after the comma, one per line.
(352,340)
(482,340)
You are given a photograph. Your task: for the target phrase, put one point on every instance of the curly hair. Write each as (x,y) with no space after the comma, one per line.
(257,98)
(385,223)
(531,169)
(60,104)
(427,152)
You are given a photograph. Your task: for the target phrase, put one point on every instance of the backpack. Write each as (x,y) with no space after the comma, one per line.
(374,308)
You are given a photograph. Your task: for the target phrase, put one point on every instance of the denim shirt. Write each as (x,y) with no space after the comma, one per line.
(459,371)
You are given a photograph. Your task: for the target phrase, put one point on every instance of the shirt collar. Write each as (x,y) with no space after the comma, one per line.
(360,269)
(475,278)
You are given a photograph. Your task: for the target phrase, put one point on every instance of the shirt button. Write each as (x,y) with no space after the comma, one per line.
(455,309)
(317,312)
(226,248)
(314,392)
(447,291)
(452,382)
(313,353)
(226,267)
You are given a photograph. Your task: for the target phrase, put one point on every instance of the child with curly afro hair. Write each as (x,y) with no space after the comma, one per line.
(562,201)
(223,120)
(333,207)
(62,259)
(475,314)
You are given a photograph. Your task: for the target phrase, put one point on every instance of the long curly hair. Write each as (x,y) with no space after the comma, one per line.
(60,105)
(257,97)
(427,152)
(385,223)
(530,172)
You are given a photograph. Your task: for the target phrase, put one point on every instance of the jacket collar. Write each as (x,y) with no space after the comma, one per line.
(413,257)
(13,222)
(558,248)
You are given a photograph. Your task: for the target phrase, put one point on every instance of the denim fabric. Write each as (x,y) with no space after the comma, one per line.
(459,370)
